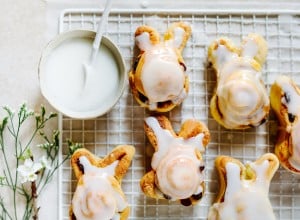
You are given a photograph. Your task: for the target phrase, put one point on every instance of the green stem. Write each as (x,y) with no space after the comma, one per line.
(50,174)
(14,188)
(32,137)
(5,212)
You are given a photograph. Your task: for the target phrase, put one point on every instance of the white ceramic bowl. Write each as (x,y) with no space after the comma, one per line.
(63,90)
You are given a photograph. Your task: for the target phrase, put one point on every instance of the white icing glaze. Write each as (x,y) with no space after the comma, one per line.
(223,55)
(241,94)
(233,180)
(244,199)
(178,36)
(95,198)
(250,48)
(89,169)
(180,97)
(67,85)
(293,107)
(176,163)
(260,170)
(143,41)
(162,76)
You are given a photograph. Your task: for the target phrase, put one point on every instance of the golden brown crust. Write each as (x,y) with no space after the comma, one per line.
(135,82)
(284,145)
(247,173)
(123,153)
(148,186)
(190,128)
(154,35)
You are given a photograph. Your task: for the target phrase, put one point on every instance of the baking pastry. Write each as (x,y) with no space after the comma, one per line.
(98,193)
(158,80)
(240,100)
(177,165)
(285,101)
(244,190)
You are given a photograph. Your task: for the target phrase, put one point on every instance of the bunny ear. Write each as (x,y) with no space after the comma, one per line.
(124,155)
(227,179)
(191,128)
(254,47)
(75,161)
(220,52)
(146,37)
(178,34)
(272,166)
(160,122)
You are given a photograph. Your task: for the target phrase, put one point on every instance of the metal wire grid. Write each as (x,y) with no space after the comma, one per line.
(124,123)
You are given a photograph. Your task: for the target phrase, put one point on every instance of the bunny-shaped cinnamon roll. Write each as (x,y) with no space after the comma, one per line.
(285,101)
(244,190)
(158,80)
(177,165)
(98,193)
(240,100)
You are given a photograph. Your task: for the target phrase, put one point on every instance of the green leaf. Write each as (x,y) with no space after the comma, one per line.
(43,111)
(26,155)
(73,147)
(2,180)
(9,111)
(3,124)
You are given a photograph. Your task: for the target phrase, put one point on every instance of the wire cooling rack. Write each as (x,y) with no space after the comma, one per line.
(124,123)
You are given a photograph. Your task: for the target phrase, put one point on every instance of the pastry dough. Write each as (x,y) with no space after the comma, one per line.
(285,101)
(240,100)
(177,165)
(243,192)
(98,193)
(158,80)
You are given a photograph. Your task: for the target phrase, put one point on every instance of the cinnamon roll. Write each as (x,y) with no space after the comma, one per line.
(158,80)
(244,190)
(240,100)
(98,194)
(285,101)
(177,165)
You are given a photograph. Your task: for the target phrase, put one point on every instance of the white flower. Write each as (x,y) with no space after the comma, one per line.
(28,170)
(45,163)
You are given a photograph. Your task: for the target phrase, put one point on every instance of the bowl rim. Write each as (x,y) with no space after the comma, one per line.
(113,48)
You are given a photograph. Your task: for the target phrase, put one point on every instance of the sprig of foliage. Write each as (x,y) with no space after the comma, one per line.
(31,175)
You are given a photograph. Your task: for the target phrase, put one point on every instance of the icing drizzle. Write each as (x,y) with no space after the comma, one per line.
(176,163)
(244,199)
(95,198)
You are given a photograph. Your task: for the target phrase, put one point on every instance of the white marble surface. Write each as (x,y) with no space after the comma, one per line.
(22,37)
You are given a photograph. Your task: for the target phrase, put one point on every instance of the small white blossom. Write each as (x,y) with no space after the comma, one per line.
(45,163)
(28,170)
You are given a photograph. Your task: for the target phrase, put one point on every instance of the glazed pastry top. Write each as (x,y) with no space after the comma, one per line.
(95,196)
(241,95)
(176,163)
(291,100)
(161,75)
(245,198)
